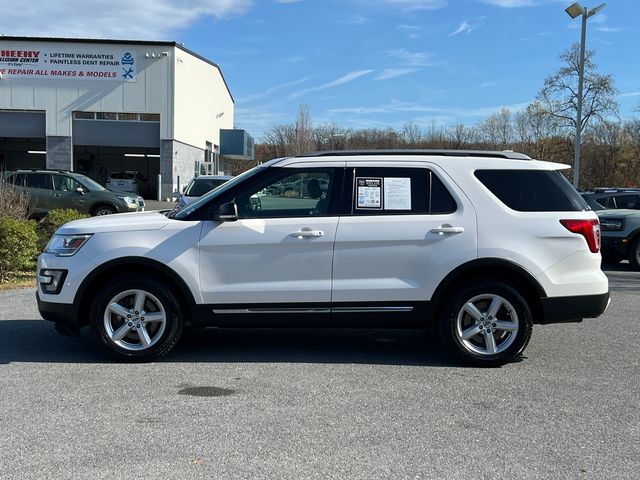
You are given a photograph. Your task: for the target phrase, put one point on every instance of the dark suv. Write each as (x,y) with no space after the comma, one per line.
(613,198)
(53,189)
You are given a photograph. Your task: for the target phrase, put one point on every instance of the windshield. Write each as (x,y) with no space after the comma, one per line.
(180,214)
(199,186)
(89,183)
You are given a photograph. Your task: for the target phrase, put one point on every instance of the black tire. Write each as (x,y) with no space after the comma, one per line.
(634,254)
(479,349)
(103,210)
(120,328)
(611,259)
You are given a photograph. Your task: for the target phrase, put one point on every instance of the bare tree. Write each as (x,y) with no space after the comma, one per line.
(559,96)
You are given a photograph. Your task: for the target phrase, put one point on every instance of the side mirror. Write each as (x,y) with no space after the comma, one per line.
(80,190)
(228,212)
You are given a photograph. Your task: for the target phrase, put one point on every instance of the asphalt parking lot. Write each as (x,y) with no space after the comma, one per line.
(322,404)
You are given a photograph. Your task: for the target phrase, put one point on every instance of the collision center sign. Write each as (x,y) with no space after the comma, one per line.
(73,63)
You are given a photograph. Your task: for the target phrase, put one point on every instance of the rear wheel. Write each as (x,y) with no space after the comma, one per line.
(634,254)
(486,324)
(137,318)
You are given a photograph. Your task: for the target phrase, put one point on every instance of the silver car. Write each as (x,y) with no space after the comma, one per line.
(198,186)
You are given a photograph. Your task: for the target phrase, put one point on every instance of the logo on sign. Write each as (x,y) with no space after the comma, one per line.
(127,59)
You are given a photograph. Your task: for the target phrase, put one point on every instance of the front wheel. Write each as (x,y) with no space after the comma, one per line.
(486,324)
(103,210)
(137,318)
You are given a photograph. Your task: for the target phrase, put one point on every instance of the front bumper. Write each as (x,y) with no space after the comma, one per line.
(64,315)
(573,309)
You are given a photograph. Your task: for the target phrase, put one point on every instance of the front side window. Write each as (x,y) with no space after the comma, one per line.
(64,184)
(399,191)
(292,193)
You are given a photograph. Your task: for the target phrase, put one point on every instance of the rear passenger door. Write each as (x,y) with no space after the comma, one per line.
(39,187)
(406,228)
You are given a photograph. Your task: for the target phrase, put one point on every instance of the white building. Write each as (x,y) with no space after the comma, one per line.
(103,106)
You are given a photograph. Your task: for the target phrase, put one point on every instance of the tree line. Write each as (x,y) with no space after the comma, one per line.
(545,130)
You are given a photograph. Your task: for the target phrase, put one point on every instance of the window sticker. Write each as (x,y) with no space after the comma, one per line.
(369,191)
(397,193)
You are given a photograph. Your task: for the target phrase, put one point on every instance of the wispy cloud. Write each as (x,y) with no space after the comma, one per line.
(286,1)
(145,19)
(349,77)
(274,89)
(356,20)
(411,5)
(396,107)
(511,3)
(629,94)
(487,84)
(465,27)
(394,73)
(606,29)
(414,59)
(534,36)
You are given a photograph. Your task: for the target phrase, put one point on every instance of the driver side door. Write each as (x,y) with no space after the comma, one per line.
(279,253)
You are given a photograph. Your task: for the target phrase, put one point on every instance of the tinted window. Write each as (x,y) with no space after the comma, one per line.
(16,179)
(399,191)
(628,201)
(39,180)
(532,190)
(64,184)
(301,194)
(199,186)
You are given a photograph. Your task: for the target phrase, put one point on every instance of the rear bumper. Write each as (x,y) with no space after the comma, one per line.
(573,309)
(64,315)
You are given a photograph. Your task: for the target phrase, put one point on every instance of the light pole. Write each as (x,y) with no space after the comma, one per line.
(573,11)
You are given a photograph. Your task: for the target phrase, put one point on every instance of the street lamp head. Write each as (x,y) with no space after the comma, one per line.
(593,11)
(576,10)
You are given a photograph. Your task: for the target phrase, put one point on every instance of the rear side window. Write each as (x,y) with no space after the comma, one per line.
(39,180)
(628,201)
(399,191)
(16,179)
(532,190)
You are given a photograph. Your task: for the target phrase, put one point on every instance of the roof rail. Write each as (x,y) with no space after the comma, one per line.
(424,152)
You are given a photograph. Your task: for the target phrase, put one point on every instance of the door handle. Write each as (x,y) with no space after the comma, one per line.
(307,233)
(441,230)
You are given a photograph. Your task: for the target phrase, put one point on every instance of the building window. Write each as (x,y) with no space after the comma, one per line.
(84,115)
(106,116)
(149,117)
(128,116)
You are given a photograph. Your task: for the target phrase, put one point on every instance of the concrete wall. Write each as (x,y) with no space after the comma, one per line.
(177,159)
(199,117)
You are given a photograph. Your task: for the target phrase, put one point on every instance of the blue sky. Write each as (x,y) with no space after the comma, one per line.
(365,63)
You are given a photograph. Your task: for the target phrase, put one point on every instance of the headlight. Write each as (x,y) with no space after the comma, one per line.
(611,225)
(130,200)
(66,245)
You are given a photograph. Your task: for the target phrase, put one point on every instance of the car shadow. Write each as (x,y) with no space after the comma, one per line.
(37,341)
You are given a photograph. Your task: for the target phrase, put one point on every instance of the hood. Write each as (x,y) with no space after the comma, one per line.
(119,222)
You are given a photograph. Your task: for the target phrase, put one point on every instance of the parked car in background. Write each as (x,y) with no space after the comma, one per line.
(54,189)
(198,186)
(620,236)
(128,181)
(613,198)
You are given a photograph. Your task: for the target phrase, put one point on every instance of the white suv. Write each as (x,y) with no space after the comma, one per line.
(481,244)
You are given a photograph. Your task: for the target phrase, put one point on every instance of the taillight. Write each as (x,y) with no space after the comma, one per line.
(589,229)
